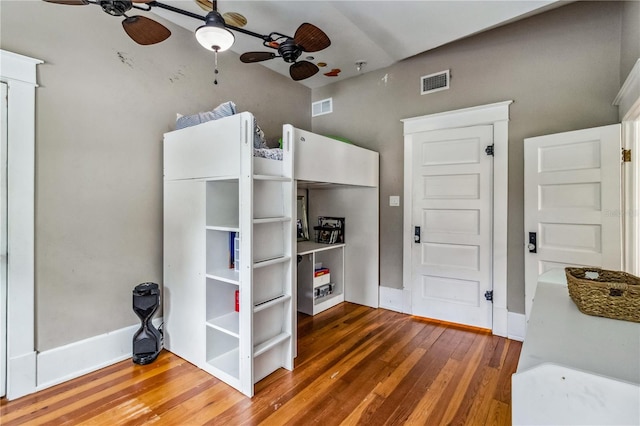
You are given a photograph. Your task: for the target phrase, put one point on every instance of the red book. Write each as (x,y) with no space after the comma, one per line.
(237,301)
(320,272)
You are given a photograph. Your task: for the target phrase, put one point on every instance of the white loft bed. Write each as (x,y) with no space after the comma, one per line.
(215,161)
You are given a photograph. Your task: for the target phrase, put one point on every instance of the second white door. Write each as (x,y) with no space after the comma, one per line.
(452,216)
(572,202)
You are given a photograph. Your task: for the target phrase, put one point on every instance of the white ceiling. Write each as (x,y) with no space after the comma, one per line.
(378,32)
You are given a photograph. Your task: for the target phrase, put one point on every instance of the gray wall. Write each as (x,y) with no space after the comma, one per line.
(561,68)
(103,105)
(630,37)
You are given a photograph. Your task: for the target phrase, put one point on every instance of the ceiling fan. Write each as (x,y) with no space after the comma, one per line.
(215,35)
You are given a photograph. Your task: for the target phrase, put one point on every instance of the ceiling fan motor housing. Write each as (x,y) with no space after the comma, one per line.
(289,51)
(115,7)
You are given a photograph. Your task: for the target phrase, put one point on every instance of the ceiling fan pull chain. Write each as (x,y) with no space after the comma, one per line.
(215,71)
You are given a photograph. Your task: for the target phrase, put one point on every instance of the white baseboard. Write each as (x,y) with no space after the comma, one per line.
(21,377)
(391,298)
(517,326)
(67,362)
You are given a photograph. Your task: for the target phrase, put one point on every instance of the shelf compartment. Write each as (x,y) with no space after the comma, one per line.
(222,204)
(270,344)
(269,303)
(218,254)
(228,323)
(220,309)
(223,352)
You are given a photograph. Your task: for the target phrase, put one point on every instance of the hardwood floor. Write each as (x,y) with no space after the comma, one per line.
(355,365)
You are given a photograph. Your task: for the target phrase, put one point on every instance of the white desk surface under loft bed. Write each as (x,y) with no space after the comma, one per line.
(559,333)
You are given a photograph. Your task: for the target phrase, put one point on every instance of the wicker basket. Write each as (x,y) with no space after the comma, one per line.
(603,293)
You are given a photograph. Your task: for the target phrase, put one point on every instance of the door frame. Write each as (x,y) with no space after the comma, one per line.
(497,115)
(19,72)
(628,103)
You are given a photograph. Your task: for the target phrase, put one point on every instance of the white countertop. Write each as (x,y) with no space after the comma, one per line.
(559,333)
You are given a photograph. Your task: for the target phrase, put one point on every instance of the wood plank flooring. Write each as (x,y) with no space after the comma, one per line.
(355,365)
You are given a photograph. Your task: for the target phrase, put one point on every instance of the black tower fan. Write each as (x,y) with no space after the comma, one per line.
(147,342)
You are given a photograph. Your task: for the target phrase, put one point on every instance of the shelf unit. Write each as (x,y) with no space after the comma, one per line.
(331,256)
(203,205)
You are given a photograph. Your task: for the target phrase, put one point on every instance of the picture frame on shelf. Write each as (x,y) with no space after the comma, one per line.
(330,230)
(302,223)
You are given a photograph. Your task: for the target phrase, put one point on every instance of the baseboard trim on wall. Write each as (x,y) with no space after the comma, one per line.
(67,362)
(21,376)
(391,298)
(517,326)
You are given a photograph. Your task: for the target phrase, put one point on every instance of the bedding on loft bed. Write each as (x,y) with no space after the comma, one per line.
(226,109)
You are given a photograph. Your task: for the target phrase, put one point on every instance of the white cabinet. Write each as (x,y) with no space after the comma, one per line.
(575,368)
(311,297)
(233,321)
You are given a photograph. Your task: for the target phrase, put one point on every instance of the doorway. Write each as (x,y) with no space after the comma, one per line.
(496,117)
(451,276)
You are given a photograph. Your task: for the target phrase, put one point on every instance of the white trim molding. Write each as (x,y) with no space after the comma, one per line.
(391,298)
(497,115)
(628,98)
(79,358)
(19,72)
(628,103)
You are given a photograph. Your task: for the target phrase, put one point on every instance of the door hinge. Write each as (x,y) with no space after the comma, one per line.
(626,155)
(489,150)
(489,295)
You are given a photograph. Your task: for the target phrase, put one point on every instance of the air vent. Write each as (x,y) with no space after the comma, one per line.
(322,107)
(434,82)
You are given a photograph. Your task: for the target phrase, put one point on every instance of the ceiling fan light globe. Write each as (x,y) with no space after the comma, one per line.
(214,38)
(213,35)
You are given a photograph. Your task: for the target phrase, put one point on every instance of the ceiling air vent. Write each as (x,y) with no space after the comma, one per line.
(324,106)
(434,82)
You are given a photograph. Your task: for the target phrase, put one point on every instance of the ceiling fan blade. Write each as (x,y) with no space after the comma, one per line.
(303,69)
(69,2)
(311,38)
(250,57)
(145,31)
(234,18)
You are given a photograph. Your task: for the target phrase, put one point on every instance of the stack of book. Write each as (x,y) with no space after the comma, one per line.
(322,285)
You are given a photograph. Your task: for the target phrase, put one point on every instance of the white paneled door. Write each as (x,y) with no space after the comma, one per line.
(451,260)
(572,202)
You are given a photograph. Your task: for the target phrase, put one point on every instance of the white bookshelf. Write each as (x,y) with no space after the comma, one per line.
(203,206)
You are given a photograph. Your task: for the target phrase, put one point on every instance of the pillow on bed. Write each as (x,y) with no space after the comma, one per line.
(225,109)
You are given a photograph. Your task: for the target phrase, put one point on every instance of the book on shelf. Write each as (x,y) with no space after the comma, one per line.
(320,272)
(234,250)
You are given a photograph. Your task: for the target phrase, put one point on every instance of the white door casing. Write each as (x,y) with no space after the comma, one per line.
(572,202)
(19,72)
(3,239)
(452,202)
(496,115)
